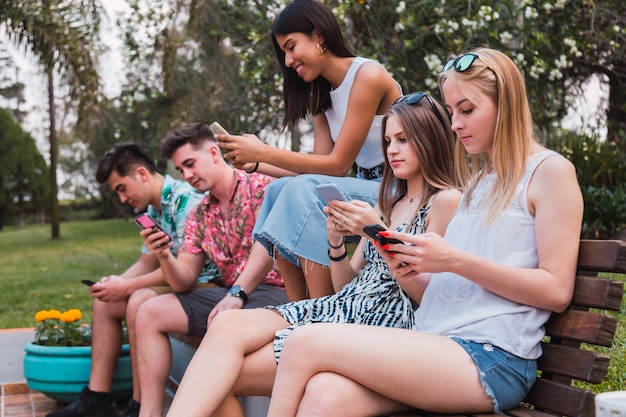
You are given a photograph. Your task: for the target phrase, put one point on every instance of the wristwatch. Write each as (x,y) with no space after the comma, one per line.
(236,291)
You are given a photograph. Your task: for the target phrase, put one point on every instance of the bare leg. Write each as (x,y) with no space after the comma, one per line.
(233,334)
(317,278)
(326,394)
(154,349)
(293,278)
(136,299)
(422,370)
(256,378)
(106,343)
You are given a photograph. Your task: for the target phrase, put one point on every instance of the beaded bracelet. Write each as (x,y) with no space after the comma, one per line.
(256,166)
(337,258)
(343,240)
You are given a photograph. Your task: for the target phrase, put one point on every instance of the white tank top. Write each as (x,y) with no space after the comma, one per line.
(455,306)
(371,153)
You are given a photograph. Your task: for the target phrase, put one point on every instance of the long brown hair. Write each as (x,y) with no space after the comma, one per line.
(433,142)
(307,16)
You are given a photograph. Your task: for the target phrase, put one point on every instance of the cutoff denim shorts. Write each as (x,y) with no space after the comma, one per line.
(291,220)
(506,378)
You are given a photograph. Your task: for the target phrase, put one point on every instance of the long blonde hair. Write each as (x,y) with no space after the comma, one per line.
(497,76)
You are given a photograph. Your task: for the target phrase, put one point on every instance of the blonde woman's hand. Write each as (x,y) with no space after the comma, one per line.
(427,252)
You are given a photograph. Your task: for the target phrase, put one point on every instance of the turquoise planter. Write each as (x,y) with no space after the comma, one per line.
(61,372)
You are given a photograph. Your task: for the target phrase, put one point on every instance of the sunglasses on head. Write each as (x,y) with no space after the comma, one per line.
(414,98)
(461,63)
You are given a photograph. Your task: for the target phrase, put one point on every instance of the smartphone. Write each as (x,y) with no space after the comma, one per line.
(218,129)
(330,192)
(146,222)
(87,282)
(372,231)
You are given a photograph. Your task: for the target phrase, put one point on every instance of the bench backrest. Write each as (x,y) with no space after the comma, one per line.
(563,360)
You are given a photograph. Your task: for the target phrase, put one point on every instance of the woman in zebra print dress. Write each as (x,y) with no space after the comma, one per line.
(240,351)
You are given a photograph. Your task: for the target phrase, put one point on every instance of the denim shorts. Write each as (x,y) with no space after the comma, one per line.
(505,377)
(291,220)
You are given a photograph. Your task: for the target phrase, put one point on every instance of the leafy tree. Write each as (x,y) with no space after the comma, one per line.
(558,45)
(23,173)
(63,35)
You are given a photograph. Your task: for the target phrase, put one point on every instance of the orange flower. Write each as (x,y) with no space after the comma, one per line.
(54,314)
(41,315)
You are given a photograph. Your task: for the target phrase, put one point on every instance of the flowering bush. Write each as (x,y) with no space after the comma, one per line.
(61,329)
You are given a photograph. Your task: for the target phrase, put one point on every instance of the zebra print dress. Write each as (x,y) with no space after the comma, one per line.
(373,297)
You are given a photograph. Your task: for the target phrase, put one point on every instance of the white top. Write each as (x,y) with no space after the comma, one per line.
(455,306)
(371,153)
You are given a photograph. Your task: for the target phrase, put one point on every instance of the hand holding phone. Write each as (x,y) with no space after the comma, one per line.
(330,192)
(373,230)
(144,221)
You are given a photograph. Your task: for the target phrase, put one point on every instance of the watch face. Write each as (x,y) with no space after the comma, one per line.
(234,290)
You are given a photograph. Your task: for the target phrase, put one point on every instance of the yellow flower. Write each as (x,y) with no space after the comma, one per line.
(54,314)
(61,329)
(41,315)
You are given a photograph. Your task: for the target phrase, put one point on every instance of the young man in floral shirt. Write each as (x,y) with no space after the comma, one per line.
(219,229)
(131,172)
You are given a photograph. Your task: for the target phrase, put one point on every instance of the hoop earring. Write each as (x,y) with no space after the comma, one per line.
(321,49)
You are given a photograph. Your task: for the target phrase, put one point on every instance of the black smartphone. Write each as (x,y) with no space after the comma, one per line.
(330,192)
(146,222)
(372,231)
(87,282)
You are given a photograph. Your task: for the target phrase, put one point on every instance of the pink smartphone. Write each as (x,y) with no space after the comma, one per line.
(146,222)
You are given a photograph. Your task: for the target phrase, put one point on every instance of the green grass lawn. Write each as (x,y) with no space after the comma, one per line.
(37,273)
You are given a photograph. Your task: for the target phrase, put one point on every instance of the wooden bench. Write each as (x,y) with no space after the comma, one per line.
(566,355)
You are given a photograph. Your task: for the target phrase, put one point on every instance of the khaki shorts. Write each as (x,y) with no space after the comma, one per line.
(166,289)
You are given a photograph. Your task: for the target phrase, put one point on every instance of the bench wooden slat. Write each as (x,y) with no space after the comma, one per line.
(582,326)
(522,411)
(602,255)
(558,398)
(594,292)
(583,365)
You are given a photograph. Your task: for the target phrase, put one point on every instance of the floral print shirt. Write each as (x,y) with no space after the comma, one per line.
(178,198)
(226,237)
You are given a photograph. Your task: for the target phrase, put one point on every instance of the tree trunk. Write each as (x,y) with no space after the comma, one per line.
(296,137)
(54,155)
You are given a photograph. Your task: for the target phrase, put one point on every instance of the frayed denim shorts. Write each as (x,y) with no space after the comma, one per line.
(506,378)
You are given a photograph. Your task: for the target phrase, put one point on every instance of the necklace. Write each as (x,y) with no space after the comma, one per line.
(412,198)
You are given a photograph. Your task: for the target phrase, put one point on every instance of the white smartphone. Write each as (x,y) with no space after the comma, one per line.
(330,192)
(218,129)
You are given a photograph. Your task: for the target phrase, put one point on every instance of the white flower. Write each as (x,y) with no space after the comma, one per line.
(555,74)
(506,37)
(401,7)
(560,4)
(530,12)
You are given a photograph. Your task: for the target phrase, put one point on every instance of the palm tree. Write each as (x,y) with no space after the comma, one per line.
(64,36)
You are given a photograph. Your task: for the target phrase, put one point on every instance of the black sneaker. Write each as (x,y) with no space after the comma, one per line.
(132,409)
(88,405)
